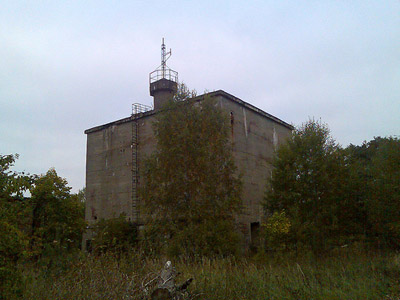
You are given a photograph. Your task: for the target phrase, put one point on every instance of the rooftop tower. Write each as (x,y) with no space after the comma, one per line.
(163,81)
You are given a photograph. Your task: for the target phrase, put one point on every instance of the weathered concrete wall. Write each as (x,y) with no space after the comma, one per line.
(147,144)
(254,138)
(108,172)
(254,135)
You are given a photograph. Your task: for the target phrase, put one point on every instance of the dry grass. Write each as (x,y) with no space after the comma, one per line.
(343,276)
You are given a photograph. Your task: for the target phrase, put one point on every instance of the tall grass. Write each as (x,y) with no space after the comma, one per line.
(340,276)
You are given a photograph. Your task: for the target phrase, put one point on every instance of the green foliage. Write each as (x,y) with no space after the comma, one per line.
(82,195)
(50,222)
(383,204)
(12,184)
(13,245)
(276,230)
(309,182)
(184,93)
(334,196)
(13,211)
(57,216)
(377,164)
(114,235)
(191,193)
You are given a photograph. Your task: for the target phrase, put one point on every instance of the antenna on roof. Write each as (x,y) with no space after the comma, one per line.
(164,58)
(163,71)
(163,81)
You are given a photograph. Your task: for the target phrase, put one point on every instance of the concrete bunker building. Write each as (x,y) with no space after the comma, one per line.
(116,152)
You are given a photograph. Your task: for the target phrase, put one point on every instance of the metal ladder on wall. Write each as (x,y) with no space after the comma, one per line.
(137,112)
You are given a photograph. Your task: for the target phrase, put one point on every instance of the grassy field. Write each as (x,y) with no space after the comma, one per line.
(343,275)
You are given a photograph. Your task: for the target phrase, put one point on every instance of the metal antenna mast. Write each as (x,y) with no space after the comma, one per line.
(163,80)
(164,57)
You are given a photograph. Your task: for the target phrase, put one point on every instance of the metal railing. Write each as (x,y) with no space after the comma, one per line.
(163,73)
(138,108)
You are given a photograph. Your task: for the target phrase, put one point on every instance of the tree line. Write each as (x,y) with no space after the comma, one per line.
(49,222)
(322,195)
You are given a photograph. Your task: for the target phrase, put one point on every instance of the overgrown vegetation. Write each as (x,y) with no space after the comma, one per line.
(330,196)
(50,223)
(115,235)
(346,274)
(375,168)
(191,190)
(13,240)
(332,229)
(57,216)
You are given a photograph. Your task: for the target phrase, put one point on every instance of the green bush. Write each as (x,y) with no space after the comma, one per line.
(114,235)
(276,231)
(208,238)
(12,247)
(57,216)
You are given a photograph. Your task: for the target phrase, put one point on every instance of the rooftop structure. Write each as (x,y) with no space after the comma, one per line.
(163,80)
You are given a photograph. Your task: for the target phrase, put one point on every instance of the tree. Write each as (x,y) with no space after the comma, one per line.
(191,192)
(383,203)
(309,183)
(51,219)
(13,214)
(377,164)
(12,184)
(82,195)
(57,216)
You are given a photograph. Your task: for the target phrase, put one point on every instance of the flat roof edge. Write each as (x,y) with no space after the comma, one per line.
(117,122)
(197,98)
(247,105)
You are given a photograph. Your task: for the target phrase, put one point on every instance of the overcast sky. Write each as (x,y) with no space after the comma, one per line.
(66,66)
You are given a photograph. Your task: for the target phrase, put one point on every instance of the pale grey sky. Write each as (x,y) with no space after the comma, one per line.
(66,66)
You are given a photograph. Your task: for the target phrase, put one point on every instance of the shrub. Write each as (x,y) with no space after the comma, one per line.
(276,230)
(115,235)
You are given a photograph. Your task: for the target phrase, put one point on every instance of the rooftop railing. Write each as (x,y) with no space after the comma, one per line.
(138,108)
(160,74)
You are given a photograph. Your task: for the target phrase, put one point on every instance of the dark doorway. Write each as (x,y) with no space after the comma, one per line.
(89,246)
(255,235)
